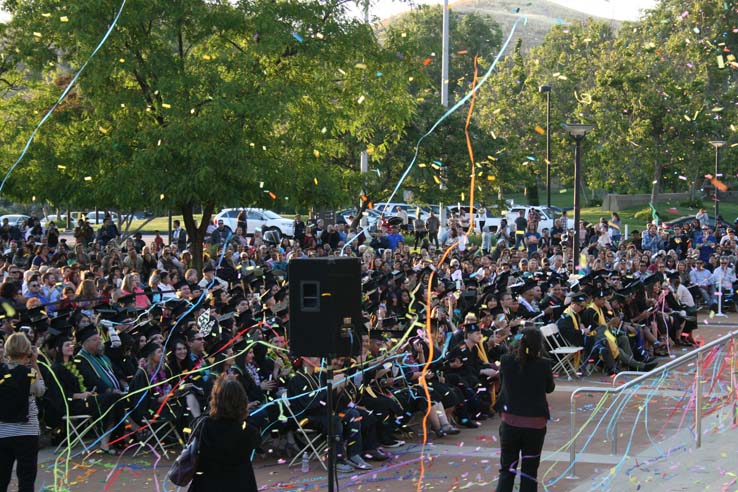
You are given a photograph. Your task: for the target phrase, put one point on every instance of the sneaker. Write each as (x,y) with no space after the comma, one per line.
(440,433)
(394,443)
(358,462)
(375,455)
(450,430)
(342,466)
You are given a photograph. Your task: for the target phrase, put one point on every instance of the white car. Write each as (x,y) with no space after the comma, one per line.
(257,219)
(16,220)
(95,218)
(546,214)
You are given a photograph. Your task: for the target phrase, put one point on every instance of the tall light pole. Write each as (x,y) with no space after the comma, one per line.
(546,89)
(444,57)
(577,131)
(717,144)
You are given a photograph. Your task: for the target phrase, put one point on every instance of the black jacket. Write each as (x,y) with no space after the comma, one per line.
(524,388)
(225,457)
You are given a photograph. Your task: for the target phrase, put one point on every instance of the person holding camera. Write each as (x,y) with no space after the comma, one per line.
(19,428)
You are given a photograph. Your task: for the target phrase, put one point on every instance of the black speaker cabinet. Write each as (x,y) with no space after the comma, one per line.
(324,294)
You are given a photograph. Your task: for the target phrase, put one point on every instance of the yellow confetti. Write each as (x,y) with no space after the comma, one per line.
(161,197)
(319,35)
(540,130)
(103,130)
(360,66)
(64,18)
(46,14)
(315,180)
(166,106)
(491,178)
(360,100)
(720,61)
(61,167)
(316,153)
(323,130)
(121,60)
(206,57)
(37,34)
(88,178)
(435,178)
(403,35)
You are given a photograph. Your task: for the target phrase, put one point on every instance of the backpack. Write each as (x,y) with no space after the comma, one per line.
(15,387)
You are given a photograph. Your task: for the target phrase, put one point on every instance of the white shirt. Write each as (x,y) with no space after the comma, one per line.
(684,296)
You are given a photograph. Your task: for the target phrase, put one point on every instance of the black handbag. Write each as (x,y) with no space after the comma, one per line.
(184,467)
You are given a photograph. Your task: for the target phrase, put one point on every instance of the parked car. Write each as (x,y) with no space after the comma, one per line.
(15,219)
(256,219)
(97,218)
(371,214)
(546,214)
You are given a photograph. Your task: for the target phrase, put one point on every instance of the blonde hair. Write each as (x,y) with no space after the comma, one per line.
(17,345)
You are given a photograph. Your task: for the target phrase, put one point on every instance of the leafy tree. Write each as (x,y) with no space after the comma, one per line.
(203,103)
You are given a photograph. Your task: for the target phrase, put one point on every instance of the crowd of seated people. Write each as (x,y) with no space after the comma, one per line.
(131,333)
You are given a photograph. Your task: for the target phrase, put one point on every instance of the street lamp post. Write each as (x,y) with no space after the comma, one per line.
(717,144)
(547,90)
(577,131)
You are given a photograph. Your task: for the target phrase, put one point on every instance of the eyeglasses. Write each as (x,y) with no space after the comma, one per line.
(32,285)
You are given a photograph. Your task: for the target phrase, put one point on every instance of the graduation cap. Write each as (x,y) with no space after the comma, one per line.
(127,299)
(281,294)
(522,287)
(83,334)
(673,276)
(652,279)
(471,328)
(148,349)
(578,297)
(60,323)
(601,292)
(33,315)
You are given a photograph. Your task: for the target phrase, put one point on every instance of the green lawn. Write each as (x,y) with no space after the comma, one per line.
(634,217)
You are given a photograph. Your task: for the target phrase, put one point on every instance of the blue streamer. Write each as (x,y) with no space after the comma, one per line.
(63,95)
(448,113)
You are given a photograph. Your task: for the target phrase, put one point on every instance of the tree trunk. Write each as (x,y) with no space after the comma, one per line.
(196,232)
(364,205)
(533,197)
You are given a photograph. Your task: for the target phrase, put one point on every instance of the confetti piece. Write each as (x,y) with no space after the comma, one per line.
(316,153)
(64,18)
(206,57)
(297,37)
(88,178)
(720,61)
(46,14)
(426,62)
(37,34)
(121,60)
(462,52)
(540,130)
(491,178)
(272,196)
(166,106)
(161,197)
(360,66)
(719,185)
(103,130)
(360,100)
(323,130)
(60,167)
(435,178)
(261,184)
(315,180)
(683,178)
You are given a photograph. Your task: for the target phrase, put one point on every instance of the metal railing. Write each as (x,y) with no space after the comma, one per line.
(633,384)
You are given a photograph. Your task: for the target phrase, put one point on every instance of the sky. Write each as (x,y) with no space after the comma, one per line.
(610,9)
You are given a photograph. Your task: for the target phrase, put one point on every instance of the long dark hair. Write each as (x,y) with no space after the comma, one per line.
(529,345)
(228,400)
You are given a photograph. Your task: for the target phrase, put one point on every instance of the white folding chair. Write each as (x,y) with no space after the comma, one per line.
(314,442)
(160,430)
(79,426)
(564,353)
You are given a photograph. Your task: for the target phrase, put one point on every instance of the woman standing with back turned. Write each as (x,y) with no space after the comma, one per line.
(526,378)
(226,442)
